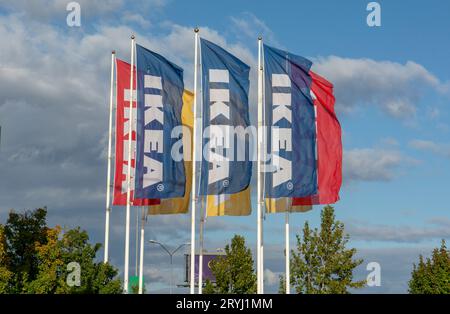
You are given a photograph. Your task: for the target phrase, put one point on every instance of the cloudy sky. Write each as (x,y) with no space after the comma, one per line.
(392,88)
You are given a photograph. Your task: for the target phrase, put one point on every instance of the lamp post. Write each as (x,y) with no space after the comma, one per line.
(171,253)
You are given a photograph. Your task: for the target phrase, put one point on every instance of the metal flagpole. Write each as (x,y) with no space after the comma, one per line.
(288,261)
(263,156)
(108,178)
(141,253)
(259,187)
(136,269)
(200,256)
(130,130)
(262,248)
(194,173)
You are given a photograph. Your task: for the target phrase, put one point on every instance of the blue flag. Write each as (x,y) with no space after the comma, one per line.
(226,165)
(159,102)
(291,170)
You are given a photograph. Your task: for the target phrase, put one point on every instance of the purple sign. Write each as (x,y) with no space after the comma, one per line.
(207,273)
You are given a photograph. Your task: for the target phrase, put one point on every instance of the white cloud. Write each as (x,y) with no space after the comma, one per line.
(129,17)
(370,164)
(246,26)
(271,278)
(430,146)
(394,87)
(437,229)
(44,10)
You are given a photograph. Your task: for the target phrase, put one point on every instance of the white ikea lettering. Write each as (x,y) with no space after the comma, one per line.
(220,168)
(283,141)
(214,151)
(284,170)
(126,146)
(151,81)
(153,108)
(219,99)
(126,124)
(154,171)
(281,137)
(127,95)
(219,76)
(153,139)
(282,101)
(125,182)
(281,80)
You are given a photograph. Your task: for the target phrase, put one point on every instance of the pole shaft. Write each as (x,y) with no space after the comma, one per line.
(130,130)
(171,273)
(200,256)
(194,172)
(136,270)
(141,254)
(259,187)
(288,274)
(108,178)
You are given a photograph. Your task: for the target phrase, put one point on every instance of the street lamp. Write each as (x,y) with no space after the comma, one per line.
(171,253)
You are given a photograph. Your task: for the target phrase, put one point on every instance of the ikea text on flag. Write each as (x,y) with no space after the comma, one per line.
(290,124)
(159,103)
(226,166)
(180,205)
(123,96)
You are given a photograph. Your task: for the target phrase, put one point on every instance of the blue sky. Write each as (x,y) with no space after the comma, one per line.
(392,87)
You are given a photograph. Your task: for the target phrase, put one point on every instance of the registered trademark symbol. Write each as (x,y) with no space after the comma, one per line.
(289,186)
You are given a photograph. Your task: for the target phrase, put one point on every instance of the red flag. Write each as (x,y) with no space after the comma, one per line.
(122,113)
(329,145)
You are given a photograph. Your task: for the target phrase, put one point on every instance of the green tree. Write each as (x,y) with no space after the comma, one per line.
(5,274)
(234,272)
(432,276)
(322,263)
(23,232)
(282,286)
(41,255)
(49,278)
(135,289)
(73,246)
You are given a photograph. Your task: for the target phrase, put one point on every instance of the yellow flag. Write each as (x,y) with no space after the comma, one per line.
(279,205)
(237,204)
(180,205)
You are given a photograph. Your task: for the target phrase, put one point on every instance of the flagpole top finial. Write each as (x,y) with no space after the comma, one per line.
(259,37)
(196,30)
(132,36)
(113,52)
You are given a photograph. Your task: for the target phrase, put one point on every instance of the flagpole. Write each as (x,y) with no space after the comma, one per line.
(130,130)
(200,256)
(264,158)
(288,261)
(141,254)
(136,270)
(108,178)
(259,187)
(194,173)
